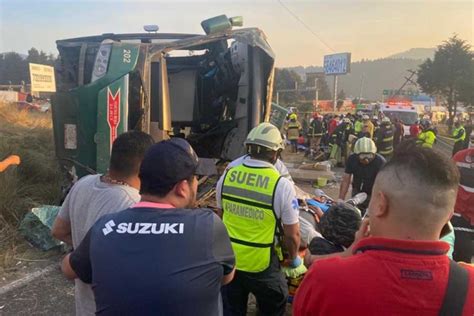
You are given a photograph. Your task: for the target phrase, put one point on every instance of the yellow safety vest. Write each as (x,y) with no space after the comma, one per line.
(293,130)
(455,133)
(358,126)
(248,214)
(426,139)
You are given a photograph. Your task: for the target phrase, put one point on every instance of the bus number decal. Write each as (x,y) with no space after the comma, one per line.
(127,56)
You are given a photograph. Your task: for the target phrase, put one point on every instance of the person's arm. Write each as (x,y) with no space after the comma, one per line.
(62,224)
(344,187)
(67,269)
(62,230)
(292,239)
(77,264)
(227,278)
(219,210)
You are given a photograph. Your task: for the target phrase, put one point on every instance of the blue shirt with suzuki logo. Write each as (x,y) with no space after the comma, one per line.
(155,261)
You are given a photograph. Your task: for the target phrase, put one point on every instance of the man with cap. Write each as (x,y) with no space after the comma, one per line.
(258,206)
(160,256)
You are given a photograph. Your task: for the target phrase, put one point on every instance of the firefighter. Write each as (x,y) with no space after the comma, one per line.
(459,135)
(370,125)
(358,124)
(315,132)
(339,141)
(259,206)
(384,138)
(427,137)
(293,128)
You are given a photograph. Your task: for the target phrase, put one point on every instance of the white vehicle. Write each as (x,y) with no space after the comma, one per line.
(407,114)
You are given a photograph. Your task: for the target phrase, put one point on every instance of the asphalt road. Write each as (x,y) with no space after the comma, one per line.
(445,145)
(48,294)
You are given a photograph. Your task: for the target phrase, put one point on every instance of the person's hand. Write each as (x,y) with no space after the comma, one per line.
(296,262)
(340,200)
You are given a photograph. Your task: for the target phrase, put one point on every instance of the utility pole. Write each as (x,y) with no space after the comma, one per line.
(361,86)
(335,94)
(407,80)
(317,92)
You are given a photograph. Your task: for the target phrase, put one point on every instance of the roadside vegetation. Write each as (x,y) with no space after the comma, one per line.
(36,181)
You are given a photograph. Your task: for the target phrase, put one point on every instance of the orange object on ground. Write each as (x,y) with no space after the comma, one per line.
(9,161)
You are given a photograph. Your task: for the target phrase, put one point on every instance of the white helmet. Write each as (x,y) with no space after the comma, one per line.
(266,135)
(365,117)
(365,145)
(386,119)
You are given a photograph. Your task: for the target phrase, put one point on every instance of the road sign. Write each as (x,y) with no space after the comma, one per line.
(337,64)
(42,78)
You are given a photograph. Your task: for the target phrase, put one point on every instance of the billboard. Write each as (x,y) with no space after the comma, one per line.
(42,78)
(337,64)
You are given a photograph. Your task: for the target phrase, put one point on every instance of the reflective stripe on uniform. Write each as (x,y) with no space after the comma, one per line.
(267,199)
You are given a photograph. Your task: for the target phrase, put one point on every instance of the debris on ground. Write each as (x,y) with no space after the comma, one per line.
(37,224)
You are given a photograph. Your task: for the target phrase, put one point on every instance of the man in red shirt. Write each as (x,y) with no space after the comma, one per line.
(463,219)
(333,124)
(397,265)
(415,130)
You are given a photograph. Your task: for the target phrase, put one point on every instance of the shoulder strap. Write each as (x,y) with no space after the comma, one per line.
(456,291)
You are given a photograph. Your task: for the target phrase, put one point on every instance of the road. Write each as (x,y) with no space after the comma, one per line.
(445,145)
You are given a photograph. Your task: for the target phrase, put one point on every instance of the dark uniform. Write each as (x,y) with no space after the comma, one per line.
(384,140)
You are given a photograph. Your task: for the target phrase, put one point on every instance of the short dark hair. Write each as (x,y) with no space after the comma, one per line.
(340,223)
(128,150)
(429,165)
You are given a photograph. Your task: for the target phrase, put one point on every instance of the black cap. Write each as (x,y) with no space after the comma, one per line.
(170,161)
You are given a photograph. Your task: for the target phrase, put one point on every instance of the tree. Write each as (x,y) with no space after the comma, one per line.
(285,80)
(13,69)
(449,74)
(38,57)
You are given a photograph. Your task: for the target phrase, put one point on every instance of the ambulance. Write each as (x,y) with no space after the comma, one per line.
(403,110)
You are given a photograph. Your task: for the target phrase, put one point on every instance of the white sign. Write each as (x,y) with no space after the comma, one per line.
(42,78)
(337,64)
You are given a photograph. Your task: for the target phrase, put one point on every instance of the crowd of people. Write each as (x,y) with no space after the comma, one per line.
(338,133)
(141,247)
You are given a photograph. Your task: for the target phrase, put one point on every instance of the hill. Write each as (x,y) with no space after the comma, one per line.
(373,75)
(415,53)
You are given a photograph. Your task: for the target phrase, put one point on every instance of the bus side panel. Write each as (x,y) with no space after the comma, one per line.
(65,128)
(112,119)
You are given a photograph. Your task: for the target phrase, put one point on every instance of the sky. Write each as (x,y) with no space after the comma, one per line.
(300,32)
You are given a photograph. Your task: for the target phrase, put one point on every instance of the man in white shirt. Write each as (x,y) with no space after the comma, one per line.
(96,195)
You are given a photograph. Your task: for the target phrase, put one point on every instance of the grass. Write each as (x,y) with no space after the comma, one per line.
(36,181)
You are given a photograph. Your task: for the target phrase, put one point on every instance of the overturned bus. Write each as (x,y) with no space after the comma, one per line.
(211,89)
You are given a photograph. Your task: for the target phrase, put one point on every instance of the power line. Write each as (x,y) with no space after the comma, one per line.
(305,25)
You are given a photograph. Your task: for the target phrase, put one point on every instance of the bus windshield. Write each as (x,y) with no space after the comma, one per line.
(407,118)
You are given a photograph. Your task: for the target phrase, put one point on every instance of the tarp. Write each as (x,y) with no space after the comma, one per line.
(37,224)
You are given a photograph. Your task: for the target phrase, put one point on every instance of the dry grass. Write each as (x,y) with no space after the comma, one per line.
(37,180)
